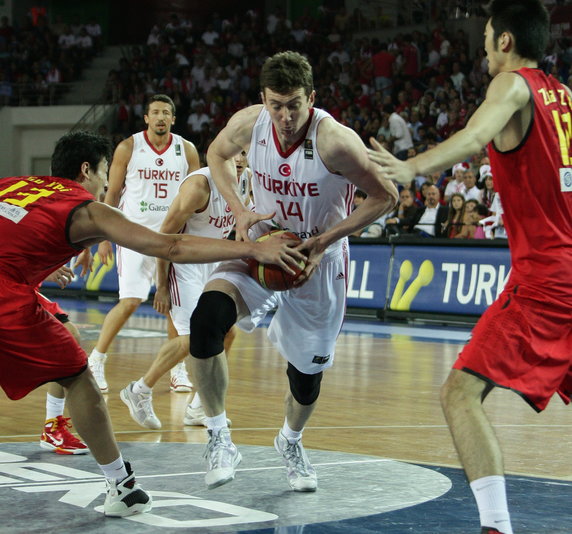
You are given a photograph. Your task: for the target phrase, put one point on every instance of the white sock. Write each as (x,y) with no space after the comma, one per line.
(115,470)
(141,387)
(217,422)
(54,406)
(196,402)
(490,494)
(291,435)
(98,354)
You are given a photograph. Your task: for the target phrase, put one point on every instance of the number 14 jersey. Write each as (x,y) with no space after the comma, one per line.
(307,198)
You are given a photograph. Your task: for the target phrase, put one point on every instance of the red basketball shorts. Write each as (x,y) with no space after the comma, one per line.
(35,347)
(523,342)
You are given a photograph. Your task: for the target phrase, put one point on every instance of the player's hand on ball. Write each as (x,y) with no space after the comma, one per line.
(314,252)
(279,266)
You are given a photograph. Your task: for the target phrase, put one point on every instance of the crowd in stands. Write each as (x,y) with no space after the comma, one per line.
(38,59)
(410,91)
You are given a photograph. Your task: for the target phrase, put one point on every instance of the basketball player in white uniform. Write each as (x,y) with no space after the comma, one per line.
(305,166)
(144,178)
(198,209)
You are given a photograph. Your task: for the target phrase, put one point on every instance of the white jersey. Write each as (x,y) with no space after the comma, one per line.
(307,198)
(217,219)
(152,180)
(186,281)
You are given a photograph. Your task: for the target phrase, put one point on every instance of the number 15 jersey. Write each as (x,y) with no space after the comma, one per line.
(152,180)
(307,198)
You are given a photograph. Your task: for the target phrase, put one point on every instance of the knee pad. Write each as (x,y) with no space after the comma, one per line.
(213,317)
(304,388)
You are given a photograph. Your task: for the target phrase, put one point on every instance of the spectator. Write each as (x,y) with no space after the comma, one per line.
(429,219)
(455,219)
(471,189)
(400,134)
(487,194)
(400,220)
(383,66)
(469,220)
(456,183)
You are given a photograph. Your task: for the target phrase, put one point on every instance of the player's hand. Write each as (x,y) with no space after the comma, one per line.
(392,168)
(105,252)
(314,254)
(281,251)
(85,261)
(63,276)
(162,300)
(245,220)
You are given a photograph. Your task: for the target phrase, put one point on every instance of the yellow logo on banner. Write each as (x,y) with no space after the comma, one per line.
(98,272)
(401,301)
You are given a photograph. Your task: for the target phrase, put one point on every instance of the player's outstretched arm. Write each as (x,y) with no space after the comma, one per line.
(193,196)
(96,221)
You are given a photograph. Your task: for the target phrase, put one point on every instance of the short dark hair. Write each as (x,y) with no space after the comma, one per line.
(285,72)
(160,98)
(75,148)
(527,20)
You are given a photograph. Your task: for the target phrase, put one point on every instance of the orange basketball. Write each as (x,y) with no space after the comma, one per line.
(272,276)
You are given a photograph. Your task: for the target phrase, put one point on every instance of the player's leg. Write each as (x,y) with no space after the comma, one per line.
(89,414)
(195,413)
(180,382)
(300,402)
(477,446)
(315,311)
(215,314)
(56,435)
(138,395)
(135,276)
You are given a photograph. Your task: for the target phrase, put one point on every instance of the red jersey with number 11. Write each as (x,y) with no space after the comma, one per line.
(534,182)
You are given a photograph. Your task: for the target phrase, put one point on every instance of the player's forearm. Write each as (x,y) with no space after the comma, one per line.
(369,210)
(457,148)
(195,249)
(162,272)
(224,175)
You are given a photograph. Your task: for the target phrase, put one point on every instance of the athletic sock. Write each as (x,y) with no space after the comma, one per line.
(95,352)
(196,402)
(217,422)
(115,470)
(54,406)
(291,435)
(490,494)
(141,387)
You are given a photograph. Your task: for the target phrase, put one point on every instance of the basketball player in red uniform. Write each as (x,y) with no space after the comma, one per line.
(44,222)
(523,342)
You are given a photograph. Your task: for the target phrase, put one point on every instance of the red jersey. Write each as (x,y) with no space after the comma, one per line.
(35,214)
(534,182)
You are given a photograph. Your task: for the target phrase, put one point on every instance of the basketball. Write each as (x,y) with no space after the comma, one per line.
(272,276)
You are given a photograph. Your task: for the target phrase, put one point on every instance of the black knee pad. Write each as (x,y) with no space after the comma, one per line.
(213,317)
(304,388)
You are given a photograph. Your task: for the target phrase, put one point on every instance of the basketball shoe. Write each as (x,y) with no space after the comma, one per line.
(140,407)
(97,366)
(126,497)
(197,417)
(301,475)
(56,437)
(180,382)
(222,458)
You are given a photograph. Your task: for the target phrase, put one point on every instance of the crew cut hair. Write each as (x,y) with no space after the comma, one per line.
(76,147)
(527,20)
(285,72)
(160,98)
